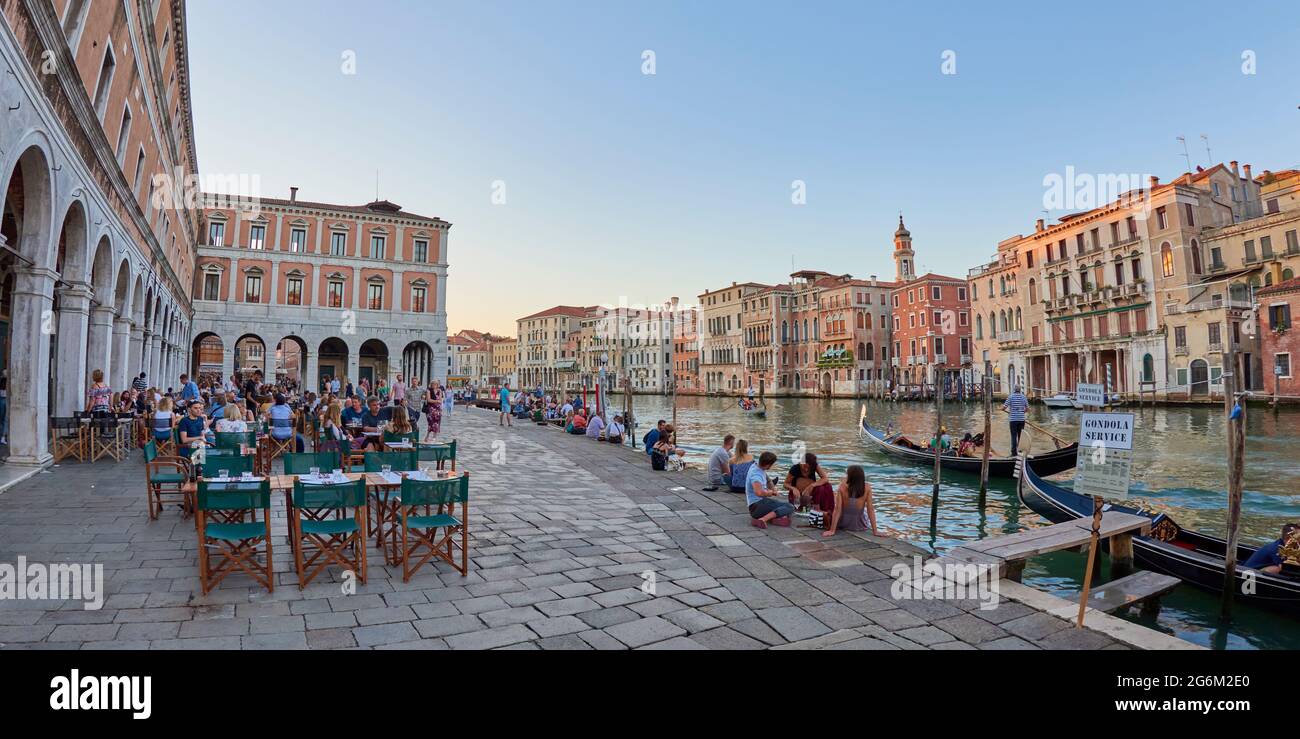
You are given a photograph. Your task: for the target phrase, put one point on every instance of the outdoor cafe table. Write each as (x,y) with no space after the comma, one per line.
(388,506)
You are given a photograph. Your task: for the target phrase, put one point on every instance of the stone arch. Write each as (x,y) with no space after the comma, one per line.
(250,354)
(291,360)
(418,362)
(332,356)
(373,361)
(27,201)
(72,257)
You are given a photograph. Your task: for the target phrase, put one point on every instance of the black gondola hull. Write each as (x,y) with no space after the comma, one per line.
(1057,460)
(1198,562)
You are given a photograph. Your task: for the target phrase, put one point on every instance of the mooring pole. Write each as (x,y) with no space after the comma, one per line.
(988,432)
(938,446)
(1235,414)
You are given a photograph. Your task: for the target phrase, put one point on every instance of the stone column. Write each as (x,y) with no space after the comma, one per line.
(136,362)
(227,362)
(99,341)
(155,362)
(146,349)
(33,295)
(73,330)
(120,359)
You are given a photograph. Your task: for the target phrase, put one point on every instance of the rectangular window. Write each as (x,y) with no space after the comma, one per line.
(963,319)
(1180,337)
(375,296)
(139,173)
(1250,250)
(211,286)
(937,319)
(335,294)
(1162,220)
(1114,232)
(961,294)
(1279,317)
(338,244)
(293,291)
(298,240)
(216,234)
(1215,331)
(417,299)
(938,345)
(1216,257)
(376,247)
(1292,244)
(257,237)
(124,136)
(1078,244)
(1029,258)
(1096,238)
(1189,214)
(1283,364)
(1266,246)
(1119,273)
(936,293)
(1181,376)
(253,289)
(421,250)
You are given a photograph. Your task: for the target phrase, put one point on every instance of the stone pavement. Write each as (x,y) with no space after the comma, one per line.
(568,535)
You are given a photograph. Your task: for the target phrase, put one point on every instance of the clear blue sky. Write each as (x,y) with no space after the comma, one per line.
(623,184)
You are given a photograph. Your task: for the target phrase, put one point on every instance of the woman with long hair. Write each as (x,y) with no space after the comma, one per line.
(433,410)
(100,396)
(808,485)
(852,501)
(741,461)
(398,421)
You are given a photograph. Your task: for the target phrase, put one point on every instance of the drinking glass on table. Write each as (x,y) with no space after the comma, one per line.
(386,469)
(313,471)
(223,474)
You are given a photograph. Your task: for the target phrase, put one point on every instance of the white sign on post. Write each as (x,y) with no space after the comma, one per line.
(1090,395)
(1105,455)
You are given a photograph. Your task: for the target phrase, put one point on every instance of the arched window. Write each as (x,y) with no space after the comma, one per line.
(1196,257)
(1148,368)
(1002,321)
(1018,326)
(1288,273)
(868,353)
(1167,259)
(785,332)
(1002,285)
(862,323)
(862,351)
(979,327)
(1268,279)
(1033,291)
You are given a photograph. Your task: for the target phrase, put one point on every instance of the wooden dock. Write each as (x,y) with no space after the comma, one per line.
(1009,553)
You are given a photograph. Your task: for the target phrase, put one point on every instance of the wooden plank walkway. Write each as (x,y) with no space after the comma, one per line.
(1010,552)
(1143,588)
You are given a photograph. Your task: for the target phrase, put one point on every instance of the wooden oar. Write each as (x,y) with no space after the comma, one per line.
(1059,441)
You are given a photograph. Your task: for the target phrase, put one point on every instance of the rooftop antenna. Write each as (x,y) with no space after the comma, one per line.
(1209,158)
(376,186)
(1186,156)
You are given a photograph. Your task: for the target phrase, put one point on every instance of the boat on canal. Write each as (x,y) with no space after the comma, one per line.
(1192,557)
(1060,400)
(1048,463)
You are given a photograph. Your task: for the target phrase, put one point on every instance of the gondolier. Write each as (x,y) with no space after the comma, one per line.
(1016,404)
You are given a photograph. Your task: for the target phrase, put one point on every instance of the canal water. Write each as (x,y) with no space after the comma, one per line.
(1179,468)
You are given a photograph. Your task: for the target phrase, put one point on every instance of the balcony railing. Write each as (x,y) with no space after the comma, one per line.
(1010,336)
(1215,348)
(941,359)
(1180,351)
(966,359)
(1125,240)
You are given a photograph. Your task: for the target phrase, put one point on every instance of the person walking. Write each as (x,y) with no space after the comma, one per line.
(398,391)
(1016,405)
(506,419)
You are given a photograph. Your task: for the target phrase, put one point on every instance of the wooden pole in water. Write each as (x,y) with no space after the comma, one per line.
(1236,451)
(988,435)
(938,446)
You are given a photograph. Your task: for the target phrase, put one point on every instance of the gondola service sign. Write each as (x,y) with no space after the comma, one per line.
(1105,455)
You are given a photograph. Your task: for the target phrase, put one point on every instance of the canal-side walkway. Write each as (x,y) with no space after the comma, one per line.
(576,545)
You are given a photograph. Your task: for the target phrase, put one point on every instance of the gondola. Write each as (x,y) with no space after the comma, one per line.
(757,411)
(1049,463)
(1191,557)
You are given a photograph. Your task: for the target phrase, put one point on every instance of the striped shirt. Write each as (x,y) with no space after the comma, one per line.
(139,384)
(1016,405)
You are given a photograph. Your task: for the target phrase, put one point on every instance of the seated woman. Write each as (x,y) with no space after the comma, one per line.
(280,422)
(741,461)
(854,508)
(398,422)
(331,428)
(578,424)
(966,447)
(614,434)
(808,485)
(665,449)
(231,419)
(163,421)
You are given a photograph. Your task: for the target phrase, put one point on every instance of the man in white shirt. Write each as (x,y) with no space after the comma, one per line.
(566,409)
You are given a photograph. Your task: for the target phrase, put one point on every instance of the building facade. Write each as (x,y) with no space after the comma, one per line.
(97,212)
(722,337)
(504,356)
(686,351)
(544,345)
(357,292)
(762,316)
(854,352)
(931,329)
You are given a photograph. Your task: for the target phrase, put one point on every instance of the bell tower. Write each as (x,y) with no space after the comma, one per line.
(904,262)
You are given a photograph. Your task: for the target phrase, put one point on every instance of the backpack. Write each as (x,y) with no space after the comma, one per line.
(658,462)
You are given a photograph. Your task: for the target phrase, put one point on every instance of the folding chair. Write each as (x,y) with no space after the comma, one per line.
(162,427)
(413,437)
(374,462)
(278,447)
(328,539)
(165,476)
(105,439)
(233,463)
(237,543)
(420,533)
(126,432)
(67,439)
(301,463)
(236,439)
(439,453)
(340,448)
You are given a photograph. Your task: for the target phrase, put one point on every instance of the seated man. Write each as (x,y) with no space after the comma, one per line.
(1268,558)
(760,495)
(193,428)
(720,464)
(578,424)
(595,427)
(353,411)
(614,434)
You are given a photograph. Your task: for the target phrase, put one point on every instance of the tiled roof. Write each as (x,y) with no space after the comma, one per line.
(380,208)
(559,310)
(1281,287)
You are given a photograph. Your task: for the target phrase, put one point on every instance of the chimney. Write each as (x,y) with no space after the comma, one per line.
(1233,164)
(1038,225)
(1155,182)
(293,194)
(873,280)
(1246,169)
